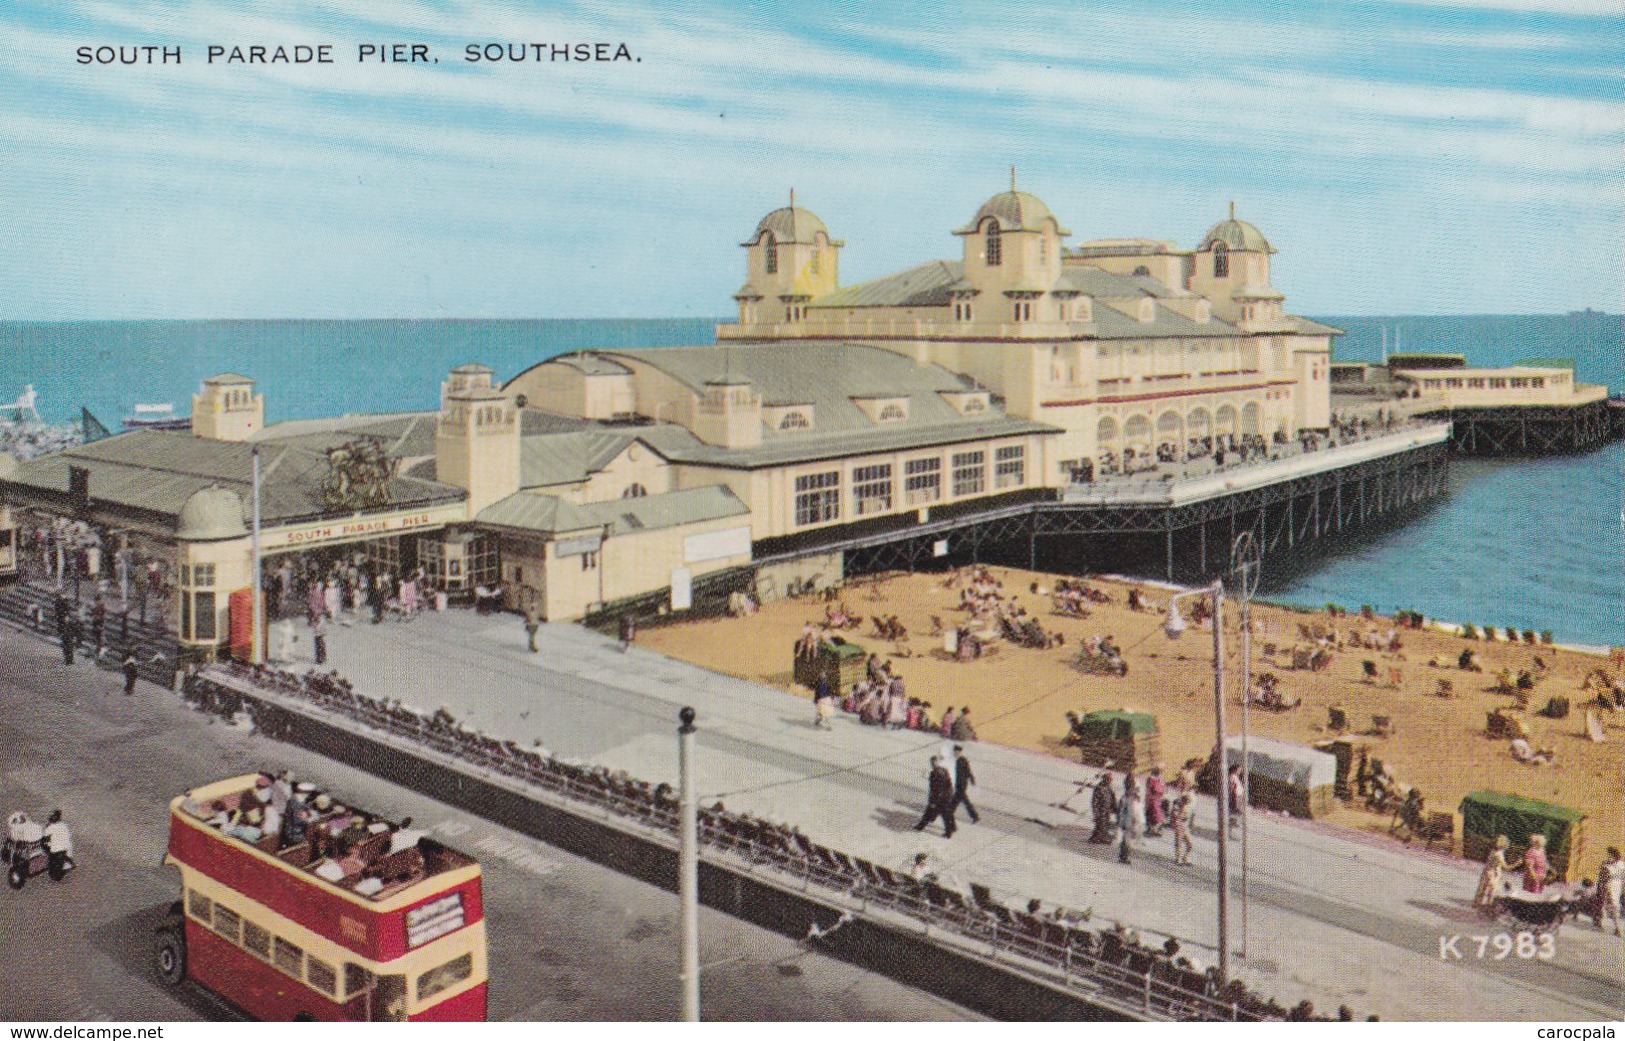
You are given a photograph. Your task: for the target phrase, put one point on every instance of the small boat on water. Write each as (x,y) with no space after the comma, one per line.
(156,417)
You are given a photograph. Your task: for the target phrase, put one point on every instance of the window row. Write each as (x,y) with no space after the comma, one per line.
(320,975)
(818,495)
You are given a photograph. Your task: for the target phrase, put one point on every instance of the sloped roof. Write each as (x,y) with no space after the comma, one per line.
(567,458)
(828,376)
(157,471)
(926,285)
(1112,324)
(1104,284)
(529,511)
(405,434)
(1313,328)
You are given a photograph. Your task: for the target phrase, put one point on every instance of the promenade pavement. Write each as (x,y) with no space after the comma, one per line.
(1332,916)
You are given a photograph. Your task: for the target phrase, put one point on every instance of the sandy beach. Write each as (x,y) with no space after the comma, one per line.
(1019,696)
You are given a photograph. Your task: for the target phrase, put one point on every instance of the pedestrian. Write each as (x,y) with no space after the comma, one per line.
(1237,798)
(131,672)
(1129,812)
(1155,792)
(375,597)
(1180,818)
(1611,884)
(962,730)
(58,840)
(1535,865)
(318,639)
(823,702)
(1103,806)
(948,718)
(533,623)
(629,631)
(72,632)
(963,779)
(939,799)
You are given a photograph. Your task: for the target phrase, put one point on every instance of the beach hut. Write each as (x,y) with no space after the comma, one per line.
(1486,815)
(842,662)
(1295,779)
(1119,739)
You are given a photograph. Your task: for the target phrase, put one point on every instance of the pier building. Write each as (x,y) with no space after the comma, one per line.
(1122,398)
(1535,407)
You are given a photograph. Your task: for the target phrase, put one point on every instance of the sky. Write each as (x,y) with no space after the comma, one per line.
(1439,157)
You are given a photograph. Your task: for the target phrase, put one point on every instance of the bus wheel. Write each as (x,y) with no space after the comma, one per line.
(170,955)
(15,877)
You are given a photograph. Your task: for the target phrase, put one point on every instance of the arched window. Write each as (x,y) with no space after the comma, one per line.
(794,421)
(770,253)
(1221,260)
(634,491)
(1142,270)
(995,252)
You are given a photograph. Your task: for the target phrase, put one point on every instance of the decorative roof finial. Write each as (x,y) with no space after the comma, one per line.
(793,201)
(1012,178)
(1232,208)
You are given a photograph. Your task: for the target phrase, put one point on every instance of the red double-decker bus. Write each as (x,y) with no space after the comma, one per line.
(361,920)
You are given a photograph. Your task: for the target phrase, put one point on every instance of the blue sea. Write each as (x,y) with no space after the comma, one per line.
(1535,544)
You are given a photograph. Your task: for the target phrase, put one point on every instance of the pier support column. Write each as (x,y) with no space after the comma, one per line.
(1203,543)
(1170,551)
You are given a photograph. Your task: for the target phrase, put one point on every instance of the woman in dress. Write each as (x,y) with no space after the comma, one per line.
(1535,866)
(1496,866)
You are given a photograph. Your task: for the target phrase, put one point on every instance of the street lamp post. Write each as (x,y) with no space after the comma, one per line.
(1245,564)
(688,881)
(1174,626)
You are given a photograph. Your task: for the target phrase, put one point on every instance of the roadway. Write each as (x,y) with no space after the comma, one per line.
(568,938)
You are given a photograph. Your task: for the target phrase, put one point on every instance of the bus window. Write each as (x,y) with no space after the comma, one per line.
(289,958)
(448,975)
(226,922)
(198,906)
(389,999)
(257,940)
(321,976)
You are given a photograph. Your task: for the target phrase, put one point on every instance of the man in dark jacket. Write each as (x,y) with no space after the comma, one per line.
(963,779)
(939,799)
(1103,806)
(131,672)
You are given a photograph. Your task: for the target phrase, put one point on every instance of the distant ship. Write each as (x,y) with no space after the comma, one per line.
(156,417)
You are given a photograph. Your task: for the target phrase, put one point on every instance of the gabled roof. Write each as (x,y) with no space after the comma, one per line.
(567,458)
(528,511)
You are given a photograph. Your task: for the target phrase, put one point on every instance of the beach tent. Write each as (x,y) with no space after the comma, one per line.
(1119,739)
(1486,815)
(1283,776)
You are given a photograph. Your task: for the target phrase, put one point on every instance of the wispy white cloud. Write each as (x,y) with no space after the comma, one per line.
(725,108)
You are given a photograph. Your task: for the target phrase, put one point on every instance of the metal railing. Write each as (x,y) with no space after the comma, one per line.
(1104,965)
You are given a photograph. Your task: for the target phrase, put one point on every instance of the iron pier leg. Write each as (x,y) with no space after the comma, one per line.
(1170,550)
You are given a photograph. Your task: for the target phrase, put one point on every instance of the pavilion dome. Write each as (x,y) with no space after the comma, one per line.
(1236,234)
(1015,211)
(211,514)
(790,224)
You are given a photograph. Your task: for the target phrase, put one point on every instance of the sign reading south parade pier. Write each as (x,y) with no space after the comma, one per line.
(361,528)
